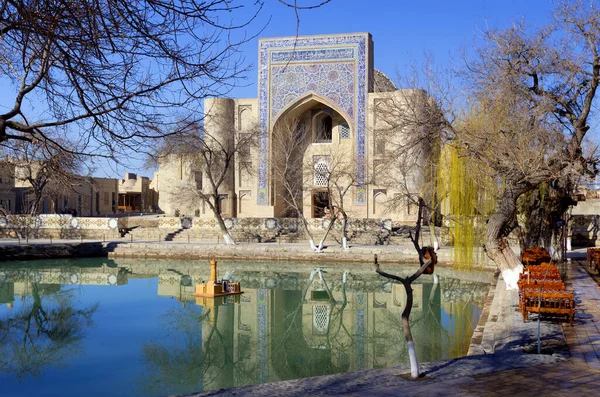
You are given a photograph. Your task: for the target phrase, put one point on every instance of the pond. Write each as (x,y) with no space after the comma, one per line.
(127,327)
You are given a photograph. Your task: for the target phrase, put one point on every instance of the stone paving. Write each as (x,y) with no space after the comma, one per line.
(502,368)
(584,338)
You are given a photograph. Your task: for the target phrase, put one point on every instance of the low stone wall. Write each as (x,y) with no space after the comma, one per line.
(60,227)
(281,224)
(360,230)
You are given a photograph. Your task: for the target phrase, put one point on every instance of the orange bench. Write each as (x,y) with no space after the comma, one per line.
(535,256)
(548,302)
(544,270)
(550,275)
(537,283)
(593,258)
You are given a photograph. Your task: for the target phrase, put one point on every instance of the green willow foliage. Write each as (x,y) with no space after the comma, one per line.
(470,197)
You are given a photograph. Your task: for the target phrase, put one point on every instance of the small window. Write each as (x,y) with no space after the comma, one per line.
(344,131)
(321,177)
(324,127)
(198,179)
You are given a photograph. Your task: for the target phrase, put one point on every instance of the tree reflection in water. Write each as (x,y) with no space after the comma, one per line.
(294,354)
(43,332)
(197,353)
(213,348)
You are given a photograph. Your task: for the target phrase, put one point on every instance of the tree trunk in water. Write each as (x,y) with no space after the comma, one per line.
(412,352)
(499,226)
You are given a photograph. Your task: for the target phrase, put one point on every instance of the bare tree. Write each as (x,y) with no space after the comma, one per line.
(210,159)
(533,94)
(114,74)
(45,169)
(427,259)
(528,99)
(339,179)
(291,137)
(407,137)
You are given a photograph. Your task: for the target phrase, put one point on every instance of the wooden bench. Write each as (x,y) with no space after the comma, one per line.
(593,258)
(551,275)
(551,303)
(535,256)
(537,283)
(547,270)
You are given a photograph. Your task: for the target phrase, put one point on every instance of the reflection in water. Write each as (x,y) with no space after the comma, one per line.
(326,323)
(45,331)
(286,325)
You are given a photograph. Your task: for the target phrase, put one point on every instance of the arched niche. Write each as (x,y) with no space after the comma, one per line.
(314,123)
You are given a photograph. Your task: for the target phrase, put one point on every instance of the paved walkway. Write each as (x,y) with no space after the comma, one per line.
(507,372)
(584,338)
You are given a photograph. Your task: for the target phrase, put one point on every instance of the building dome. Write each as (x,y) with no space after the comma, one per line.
(382,83)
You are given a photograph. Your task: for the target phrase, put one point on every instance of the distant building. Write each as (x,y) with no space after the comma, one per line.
(82,196)
(8,197)
(136,195)
(87,196)
(328,82)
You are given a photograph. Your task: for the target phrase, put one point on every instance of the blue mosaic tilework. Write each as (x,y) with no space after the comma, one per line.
(313,55)
(334,67)
(334,81)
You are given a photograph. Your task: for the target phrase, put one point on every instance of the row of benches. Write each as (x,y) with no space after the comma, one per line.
(541,288)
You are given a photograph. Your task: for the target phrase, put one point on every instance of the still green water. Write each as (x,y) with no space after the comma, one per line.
(132,328)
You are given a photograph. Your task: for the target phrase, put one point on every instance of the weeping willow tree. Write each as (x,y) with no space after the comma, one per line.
(469,198)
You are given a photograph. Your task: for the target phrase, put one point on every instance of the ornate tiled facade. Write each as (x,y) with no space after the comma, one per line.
(334,67)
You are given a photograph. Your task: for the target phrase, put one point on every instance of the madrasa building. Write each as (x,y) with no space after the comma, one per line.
(329,83)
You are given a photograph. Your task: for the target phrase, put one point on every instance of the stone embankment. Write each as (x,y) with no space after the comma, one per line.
(43,249)
(274,252)
(17,251)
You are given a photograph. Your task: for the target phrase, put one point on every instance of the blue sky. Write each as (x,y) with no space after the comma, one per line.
(403,31)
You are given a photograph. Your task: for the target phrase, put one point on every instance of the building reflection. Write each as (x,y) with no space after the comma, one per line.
(315,327)
(286,325)
(19,282)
